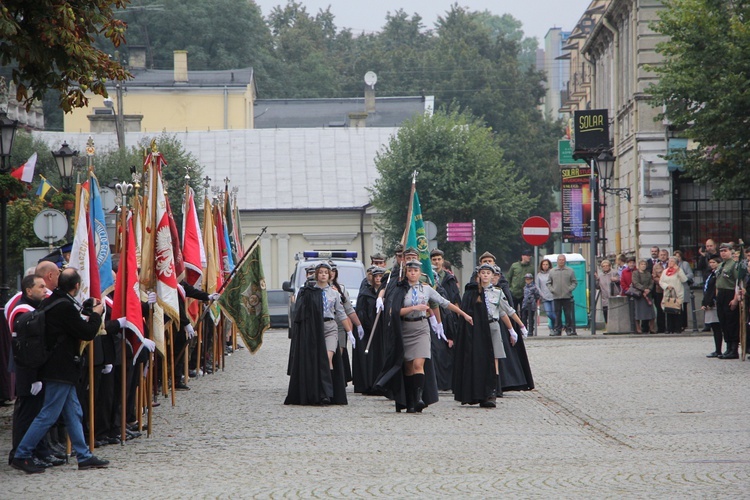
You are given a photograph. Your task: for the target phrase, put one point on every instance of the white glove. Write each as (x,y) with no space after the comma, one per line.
(190,331)
(379,304)
(513,336)
(152,297)
(524,332)
(360,332)
(440,331)
(351,338)
(433,323)
(149,344)
(214,296)
(36,388)
(123,322)
(106,369)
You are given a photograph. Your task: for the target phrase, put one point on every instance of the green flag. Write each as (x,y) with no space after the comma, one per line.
(417,238)
(245,301)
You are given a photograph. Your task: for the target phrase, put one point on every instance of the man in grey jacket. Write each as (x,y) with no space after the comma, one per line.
(561,283)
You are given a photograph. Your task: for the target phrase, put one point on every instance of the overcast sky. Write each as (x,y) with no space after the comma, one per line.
(537,16)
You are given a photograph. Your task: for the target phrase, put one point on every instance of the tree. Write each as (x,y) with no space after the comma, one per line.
(703,87)
(463,175)
(50,45)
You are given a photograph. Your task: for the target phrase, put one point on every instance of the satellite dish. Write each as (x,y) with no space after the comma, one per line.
(108,199)
(50,225)
(371,78)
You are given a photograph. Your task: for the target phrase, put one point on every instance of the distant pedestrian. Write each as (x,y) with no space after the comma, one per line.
(531,297)
(562,281)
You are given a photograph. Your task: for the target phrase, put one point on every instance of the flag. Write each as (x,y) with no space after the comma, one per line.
(193,252)
(127,301)
(44,188)
(179,263)
(416,236)
(101,239)
(212,278)
(25,172)
(157,256)
(245,301)
(237,230)
(81,256)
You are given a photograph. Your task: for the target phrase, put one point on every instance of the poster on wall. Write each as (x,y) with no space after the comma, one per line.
(576,204)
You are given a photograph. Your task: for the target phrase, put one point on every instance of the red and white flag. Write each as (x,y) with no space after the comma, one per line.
(157,254)
(127,301)
(193,251)
(82,256)
(25,172)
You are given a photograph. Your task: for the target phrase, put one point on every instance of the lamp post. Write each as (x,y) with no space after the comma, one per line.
(7,134)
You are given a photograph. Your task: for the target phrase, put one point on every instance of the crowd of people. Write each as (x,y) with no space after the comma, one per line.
(415,336)
(51,401)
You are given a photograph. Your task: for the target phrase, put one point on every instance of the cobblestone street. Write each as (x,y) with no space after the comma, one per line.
(632,416)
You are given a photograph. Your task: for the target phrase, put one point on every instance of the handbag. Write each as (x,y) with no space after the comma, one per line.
(633,292)
(669,303)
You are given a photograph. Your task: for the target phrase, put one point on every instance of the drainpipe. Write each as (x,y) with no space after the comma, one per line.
(226,108)
(615,137)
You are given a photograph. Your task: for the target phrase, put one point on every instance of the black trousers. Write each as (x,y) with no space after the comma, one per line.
(566,306)
(728,318)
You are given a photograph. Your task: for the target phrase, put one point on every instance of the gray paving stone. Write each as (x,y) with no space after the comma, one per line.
(612,416)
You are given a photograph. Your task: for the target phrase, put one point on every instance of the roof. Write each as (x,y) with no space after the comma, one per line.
(275,169)
(311,113)
(165,78)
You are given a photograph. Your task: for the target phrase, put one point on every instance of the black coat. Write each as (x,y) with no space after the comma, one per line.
(310,380)
(65,329)
(474,376)
(391,379)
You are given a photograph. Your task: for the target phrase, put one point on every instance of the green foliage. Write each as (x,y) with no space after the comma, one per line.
(50,45)
(21,235)
(463,175)
(704,88)
(116,166)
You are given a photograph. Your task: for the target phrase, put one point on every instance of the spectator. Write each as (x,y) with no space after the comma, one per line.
(608,283)
(708,304)
(685,267)
(644,307)
(515,277)
(562,281)
(661,325)
(531,297)
(547,299)
(671,281)
(65,328)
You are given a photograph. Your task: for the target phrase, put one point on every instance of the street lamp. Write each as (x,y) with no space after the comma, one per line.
(605,162)
(7,134)
(64,159)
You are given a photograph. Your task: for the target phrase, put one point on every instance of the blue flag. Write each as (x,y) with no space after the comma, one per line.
(101,239)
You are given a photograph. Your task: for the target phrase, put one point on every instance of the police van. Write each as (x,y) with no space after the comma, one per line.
(351,272)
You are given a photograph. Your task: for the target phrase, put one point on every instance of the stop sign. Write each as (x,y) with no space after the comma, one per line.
(535,231)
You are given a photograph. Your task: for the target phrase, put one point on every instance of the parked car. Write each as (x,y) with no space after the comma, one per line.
(278,308)
(351,273)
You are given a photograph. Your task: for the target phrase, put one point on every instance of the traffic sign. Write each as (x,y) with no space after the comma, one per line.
(535,231)
(460,231)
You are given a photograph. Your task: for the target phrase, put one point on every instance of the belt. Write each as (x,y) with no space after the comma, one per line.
(414,319)
(329,319)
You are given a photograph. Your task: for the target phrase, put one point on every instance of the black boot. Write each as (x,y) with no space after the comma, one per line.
(731,352)
(409,390)
(418,381)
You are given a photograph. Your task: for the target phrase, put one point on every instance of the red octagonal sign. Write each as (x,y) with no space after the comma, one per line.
(535,231)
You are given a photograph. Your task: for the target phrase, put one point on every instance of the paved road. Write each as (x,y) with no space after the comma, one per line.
(632,416)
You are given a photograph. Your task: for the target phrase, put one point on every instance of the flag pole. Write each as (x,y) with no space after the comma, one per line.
(405,234)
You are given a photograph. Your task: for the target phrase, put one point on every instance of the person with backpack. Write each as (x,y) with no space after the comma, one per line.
(64,329)
(29,394)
